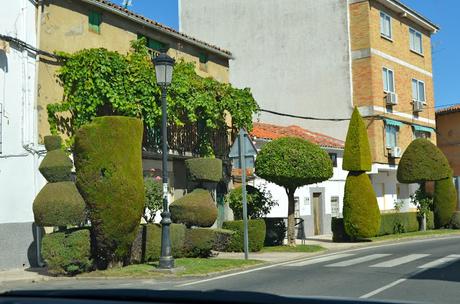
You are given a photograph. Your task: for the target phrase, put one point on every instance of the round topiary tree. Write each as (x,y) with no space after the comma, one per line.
(444,202)
(194,209)
(108,159)
(58,203)
(292,162)
(204,169)
(361,213)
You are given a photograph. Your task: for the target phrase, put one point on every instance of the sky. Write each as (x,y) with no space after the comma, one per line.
(445,44)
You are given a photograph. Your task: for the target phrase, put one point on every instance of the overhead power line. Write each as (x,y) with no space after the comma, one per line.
(304,117)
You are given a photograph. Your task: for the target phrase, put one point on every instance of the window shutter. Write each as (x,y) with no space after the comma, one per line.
(95,20)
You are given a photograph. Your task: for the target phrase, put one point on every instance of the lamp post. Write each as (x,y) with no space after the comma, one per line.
(163,70)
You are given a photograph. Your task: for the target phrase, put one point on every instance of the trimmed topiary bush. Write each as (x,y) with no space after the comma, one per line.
(194,209)
(429,220)
(67,252)
(400,222)
(455,221)
(59,204)
(422,161)
(222,238)
(109,177)
(357,154)
(56,166)
(292,162)
(52,142)
(204,169)
(256,234)
(275,231)
(153,241)
(199,242)
(444,202)
(361,213)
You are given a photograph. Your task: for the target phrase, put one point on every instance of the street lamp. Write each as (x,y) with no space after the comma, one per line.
(163,70)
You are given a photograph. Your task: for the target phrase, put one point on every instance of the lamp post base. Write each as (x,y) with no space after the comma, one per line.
(166,262)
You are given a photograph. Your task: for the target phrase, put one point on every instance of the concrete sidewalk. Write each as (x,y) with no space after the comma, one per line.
(29,274)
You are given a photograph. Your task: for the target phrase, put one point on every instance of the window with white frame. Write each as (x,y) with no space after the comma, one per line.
(388,80)
(415,38)
(418,90)
(296,206)
(391,133)
(385,25)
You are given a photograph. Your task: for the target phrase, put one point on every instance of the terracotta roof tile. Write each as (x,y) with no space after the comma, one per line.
(451,109)
(164,27)
(269,131)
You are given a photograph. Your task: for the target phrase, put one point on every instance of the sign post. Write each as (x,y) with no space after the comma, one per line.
(242,153)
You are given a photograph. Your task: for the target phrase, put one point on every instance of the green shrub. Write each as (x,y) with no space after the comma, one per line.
(444,202)
(392,223)
(361,212)
(199,242)
(52,142)
(204,169)
(153,200)
(357,154)
(222,238)
(67,252)
(256,234)
(56,166)
(430,220)
(455,221)
(338,230)
(259,202)
(59,204)
(109,177)
(194,209)
(422,161)
(275,231)
(153,241)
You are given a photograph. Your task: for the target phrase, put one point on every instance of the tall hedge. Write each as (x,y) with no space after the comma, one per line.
(361,212)
(194,209)
(204,169)
(422,161)
(256,235)
(444,201)
(357,154)
(109,177)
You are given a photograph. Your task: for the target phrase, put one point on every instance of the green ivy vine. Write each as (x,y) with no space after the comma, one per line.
(99,82)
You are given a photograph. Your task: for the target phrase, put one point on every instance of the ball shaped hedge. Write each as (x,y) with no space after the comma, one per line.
(56,166)
(444,201)
(422,161)
(194,209)
(108,160)
(204,169)
(357,154)
(59,204)
(52,142)
(292,162)
(361,214)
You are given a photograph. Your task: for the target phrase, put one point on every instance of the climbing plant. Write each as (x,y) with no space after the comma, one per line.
(98,82)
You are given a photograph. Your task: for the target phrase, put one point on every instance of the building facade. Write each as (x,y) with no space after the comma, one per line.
(308,58)
(20,153)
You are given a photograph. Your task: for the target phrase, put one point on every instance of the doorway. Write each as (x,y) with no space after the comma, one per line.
(317,213)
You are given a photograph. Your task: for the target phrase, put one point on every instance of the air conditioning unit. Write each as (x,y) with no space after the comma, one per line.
(395,152)
(418,106)
(392,99)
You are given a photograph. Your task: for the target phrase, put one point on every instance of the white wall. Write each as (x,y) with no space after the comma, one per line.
(293,54)
(19,177)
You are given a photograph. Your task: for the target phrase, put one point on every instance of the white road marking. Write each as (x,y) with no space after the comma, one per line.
(401,260)
(379,290)
(320,260)
(359,260)
(439,263)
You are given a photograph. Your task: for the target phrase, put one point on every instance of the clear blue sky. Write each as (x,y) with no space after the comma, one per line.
(446,43)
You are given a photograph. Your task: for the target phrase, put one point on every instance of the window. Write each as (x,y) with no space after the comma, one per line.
(154,46)
(296,207)
(388,80)
(391,136)
(415,38)
(203,57)
(385,25)
(335,210)
(418,90)
(94,20)
(422,134)
(333,157)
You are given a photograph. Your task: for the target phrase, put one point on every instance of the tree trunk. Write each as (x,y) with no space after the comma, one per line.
(291,217)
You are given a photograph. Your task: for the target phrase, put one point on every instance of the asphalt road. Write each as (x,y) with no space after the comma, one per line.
(421,271)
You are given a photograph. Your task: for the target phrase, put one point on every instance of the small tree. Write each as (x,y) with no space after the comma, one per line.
(260,202)
(153,201)
(292,162)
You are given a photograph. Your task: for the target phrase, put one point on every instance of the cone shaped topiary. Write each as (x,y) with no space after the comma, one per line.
(444,201)
(422,161)
(357,154)
(361,214)
(204,169)
(59,204)
(194,209)
(108,159)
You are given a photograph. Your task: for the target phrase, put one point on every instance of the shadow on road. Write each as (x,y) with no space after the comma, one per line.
(449,272)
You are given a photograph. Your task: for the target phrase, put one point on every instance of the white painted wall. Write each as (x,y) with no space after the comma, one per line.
(19,177)
(293,54)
